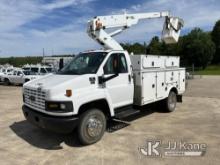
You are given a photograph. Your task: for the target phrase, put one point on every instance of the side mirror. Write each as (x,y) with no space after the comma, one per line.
(101,79)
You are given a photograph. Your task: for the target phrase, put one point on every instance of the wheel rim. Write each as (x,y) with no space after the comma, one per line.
(94,126)
(172,100)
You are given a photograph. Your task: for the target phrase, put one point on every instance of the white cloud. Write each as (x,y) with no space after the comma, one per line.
(14,14)
(64,3)
(65,40)
(197,13)
(17,41)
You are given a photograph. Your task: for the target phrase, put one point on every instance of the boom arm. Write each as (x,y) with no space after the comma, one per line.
(97,26)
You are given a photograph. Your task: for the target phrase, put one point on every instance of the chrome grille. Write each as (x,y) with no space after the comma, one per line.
(34,98)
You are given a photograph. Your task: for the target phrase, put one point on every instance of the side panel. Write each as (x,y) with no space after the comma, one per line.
(151,62)
(137,75)
(149,87)
(160,85)
(172,76)
(172,61)
(154,85)
(182,81)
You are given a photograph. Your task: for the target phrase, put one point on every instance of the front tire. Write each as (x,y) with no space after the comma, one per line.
(92,126)
(170,102)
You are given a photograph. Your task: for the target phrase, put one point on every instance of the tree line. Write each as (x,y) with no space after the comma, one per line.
(20,61)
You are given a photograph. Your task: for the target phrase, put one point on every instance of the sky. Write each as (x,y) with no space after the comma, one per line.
(59,26)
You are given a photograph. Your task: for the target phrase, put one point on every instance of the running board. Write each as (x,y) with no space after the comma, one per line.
(125,112)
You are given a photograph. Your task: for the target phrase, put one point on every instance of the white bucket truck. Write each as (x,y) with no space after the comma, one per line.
(97,85)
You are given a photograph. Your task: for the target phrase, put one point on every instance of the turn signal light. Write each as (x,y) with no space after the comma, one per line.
(68,92)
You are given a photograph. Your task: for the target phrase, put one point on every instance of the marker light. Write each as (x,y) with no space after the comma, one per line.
(53,106)
(68,92)
(62,106)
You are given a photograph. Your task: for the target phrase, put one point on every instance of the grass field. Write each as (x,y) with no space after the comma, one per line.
(210,70)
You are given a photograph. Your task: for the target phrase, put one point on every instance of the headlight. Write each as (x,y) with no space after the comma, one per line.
(59,107)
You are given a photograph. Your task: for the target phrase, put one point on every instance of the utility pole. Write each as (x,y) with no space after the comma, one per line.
(43,56)
(43,52)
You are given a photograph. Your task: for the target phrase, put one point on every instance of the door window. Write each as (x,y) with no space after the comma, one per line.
(42,70)
(19,73)
(116,59)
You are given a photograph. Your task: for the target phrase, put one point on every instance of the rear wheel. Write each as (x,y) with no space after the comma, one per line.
(170,102)
(91,126)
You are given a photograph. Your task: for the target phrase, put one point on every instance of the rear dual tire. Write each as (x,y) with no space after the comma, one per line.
(170,102)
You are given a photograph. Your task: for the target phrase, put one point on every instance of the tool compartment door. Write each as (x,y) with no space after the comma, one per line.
(149,87)
(160,85)
(172,76)
(182,80)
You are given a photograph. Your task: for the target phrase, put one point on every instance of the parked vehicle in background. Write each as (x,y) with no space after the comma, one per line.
(58,62)
(1,72)
(6,71)
(38,69)
(20,77)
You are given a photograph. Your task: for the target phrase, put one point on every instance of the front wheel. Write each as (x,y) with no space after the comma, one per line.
(91,126)
(170,102)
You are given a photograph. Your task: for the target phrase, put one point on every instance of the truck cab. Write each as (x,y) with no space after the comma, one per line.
(91,89)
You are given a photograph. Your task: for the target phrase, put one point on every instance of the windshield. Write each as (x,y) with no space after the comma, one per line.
(49,70)
(26,72)
(85,63)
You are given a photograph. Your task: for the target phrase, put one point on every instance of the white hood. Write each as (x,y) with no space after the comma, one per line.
(57,84)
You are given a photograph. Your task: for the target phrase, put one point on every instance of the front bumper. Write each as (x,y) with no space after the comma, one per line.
(51,123)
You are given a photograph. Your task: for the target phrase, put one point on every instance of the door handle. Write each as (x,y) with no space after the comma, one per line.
(129,78)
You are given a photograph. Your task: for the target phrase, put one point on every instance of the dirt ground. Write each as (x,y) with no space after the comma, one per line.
(196,120)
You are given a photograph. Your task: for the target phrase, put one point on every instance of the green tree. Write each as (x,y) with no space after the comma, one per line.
(20,61)
(216,39)
(155,46)
(136,48)
(198,48)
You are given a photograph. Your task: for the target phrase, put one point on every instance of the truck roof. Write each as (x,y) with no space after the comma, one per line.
(106,51)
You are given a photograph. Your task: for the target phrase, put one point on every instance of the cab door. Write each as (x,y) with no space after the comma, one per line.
(120,88)
(13,77)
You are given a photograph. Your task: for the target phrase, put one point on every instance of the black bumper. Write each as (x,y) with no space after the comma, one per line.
(51,123)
